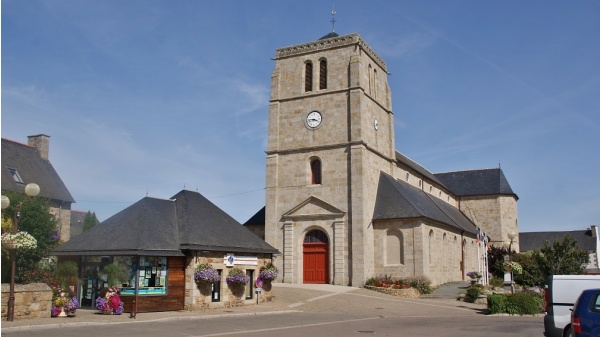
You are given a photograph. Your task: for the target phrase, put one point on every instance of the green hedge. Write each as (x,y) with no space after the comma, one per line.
(524,303)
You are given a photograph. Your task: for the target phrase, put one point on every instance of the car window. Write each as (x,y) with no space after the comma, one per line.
(596,303)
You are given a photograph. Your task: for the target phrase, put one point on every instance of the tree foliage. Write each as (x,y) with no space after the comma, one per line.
(531,275)
(89,220)
(35,219)
(562,257)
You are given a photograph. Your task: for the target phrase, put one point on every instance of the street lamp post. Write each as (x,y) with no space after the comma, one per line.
(508,244)
(31,190)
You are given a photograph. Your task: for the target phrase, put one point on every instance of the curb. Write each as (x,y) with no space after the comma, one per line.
(175,318)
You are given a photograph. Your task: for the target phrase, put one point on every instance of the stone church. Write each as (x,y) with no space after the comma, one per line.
(342,205)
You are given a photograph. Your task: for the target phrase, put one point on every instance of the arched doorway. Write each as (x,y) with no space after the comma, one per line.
(316,257)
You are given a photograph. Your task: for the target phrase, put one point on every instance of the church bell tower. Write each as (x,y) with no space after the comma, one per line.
(331,132)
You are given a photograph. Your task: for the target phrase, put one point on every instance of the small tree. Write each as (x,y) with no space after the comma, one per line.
(89,220)
(496,261)
(35,219)
(531,275)
(561,258)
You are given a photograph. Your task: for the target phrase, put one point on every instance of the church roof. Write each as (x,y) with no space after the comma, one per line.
(257,219)
(397,199)
(32,168)
(476,182)
(331,34)
(165,227)
(535,240)
(416,167)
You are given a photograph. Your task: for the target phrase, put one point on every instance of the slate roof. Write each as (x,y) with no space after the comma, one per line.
(397,199)
(476,182)
(416,167)
(32,169)
(535,240)
(329,35)
(165,227)
(257,219)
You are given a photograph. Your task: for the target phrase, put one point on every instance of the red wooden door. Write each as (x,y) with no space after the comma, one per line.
(315,262)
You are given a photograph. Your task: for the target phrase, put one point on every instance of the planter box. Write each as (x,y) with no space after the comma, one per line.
(408,293)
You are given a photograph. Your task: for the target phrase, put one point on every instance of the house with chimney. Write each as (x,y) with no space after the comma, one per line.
(29,163)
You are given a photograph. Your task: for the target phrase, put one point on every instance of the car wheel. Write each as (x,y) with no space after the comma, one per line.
(568,332)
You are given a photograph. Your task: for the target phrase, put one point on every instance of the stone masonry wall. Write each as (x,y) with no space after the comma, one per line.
(31,300)
(198,296)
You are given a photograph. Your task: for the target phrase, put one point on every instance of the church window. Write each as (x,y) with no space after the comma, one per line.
(375,83)
(394,248)
(323,74)
(430,247)
(308,73)
(370,79)
(420,182)
(430,189)
(315,171)
(316,236)
(407,176)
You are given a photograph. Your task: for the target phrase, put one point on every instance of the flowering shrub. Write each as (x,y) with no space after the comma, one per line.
(21,240)
(474,274)
(40,276)
(422,284)
(268,272)
(110,302)
(513,266)
(205,273)
(237,276)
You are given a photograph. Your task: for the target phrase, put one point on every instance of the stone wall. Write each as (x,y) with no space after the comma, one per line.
(409,293)
(198,296)
(31,300)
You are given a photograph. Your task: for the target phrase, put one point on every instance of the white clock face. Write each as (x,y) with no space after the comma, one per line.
(313,120)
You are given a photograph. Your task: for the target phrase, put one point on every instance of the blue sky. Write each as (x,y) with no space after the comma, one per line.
(146,97)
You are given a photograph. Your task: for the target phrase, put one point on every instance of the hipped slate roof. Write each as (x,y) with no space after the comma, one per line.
(535,240)
(476,182)
(398,200)
(165,227)
(32,169)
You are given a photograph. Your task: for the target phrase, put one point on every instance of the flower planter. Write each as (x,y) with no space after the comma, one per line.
(9,244)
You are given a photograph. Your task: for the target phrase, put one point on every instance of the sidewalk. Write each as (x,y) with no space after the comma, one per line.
(281,304)
(287,298)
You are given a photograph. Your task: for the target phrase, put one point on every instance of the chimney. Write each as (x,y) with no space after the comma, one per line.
(594,231)
(41,143)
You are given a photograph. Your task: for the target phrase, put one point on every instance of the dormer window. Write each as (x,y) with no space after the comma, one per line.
(16,176)
(323,74)
(308,76)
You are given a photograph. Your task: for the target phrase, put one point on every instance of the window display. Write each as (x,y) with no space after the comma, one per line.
(152,275)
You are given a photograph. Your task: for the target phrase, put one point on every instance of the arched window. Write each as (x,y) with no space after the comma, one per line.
(430,247)
(315,171)
(323,74)
(394,248)
(375,83)
(316,236)
(370,79)
(308,73)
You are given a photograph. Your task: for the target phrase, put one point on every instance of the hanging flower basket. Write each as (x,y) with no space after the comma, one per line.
(20,240)
(268,272)
(237,276)
(9,244)
(205,273)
